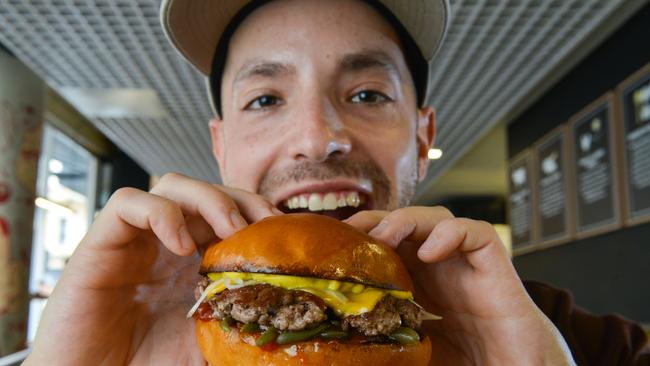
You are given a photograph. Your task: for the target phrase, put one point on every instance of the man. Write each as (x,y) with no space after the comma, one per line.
(313,99)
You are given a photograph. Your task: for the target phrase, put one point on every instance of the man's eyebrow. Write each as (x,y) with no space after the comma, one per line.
(269,69)
(361,61)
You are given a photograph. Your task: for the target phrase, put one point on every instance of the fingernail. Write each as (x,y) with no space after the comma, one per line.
(237,221)
(426,250)
(377,230)
(423,253)
(276,211)
(187,242)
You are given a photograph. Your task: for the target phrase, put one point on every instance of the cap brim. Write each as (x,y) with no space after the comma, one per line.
(194,27)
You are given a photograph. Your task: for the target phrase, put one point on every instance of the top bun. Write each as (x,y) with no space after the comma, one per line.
(309,245)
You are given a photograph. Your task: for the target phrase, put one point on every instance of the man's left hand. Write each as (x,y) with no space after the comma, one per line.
(462,271)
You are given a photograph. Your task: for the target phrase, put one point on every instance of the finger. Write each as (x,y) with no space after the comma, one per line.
(366,220)
(409,223)
(201,231)
(252,206)
(459,235)
(201,198)
(129,211)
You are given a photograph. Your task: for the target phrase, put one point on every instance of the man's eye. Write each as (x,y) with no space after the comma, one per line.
(262,102)
(369,97)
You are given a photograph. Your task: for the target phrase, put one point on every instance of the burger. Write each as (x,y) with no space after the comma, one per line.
(307,289)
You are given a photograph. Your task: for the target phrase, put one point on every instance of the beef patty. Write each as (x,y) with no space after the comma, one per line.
(290,310)
(270,306)
(389,314)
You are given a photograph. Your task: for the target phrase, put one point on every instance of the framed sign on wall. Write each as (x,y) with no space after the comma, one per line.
(594,168)
(633,95)
(553,212)
(520,203)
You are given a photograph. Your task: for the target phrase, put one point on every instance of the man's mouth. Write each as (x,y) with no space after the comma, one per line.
(337,204)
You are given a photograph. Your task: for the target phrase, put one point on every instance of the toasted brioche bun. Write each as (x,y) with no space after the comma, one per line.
(309,245)
(233,348)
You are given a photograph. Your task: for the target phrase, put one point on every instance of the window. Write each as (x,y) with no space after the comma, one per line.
(65,206)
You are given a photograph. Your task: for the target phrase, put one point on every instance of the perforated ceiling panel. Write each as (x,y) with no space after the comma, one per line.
(496,52)
(115,45)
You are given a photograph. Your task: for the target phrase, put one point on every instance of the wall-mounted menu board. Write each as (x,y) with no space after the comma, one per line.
(593,165)
(634,96)
(551,191)
(520,202)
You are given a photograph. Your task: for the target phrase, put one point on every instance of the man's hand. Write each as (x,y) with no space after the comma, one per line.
(125,292)
(462,272)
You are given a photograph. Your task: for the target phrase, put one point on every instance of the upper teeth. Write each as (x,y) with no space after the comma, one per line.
(324,200)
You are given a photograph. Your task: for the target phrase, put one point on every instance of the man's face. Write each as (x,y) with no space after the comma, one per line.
(319,108)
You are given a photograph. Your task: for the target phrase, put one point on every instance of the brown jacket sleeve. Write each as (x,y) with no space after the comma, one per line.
(594,340)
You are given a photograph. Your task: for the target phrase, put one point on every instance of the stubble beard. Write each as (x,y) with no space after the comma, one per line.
(406,189)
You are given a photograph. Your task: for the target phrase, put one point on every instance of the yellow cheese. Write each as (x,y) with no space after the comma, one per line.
(345,298)
(216,289)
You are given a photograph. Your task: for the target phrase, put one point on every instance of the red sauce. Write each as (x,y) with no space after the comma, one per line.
(204,312)
(269,347)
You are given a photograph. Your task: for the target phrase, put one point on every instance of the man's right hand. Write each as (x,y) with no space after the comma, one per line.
(125,291)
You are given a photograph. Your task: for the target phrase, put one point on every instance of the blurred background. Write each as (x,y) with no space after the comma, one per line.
(542,108)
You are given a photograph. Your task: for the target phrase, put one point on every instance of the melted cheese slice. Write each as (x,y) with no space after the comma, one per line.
(345,298)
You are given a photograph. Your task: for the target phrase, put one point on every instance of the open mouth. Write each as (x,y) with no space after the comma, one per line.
(337,204)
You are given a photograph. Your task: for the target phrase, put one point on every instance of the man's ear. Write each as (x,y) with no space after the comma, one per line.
(218,143)
(426,135)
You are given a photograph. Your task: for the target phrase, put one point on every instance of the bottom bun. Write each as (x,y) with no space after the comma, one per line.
(232,348)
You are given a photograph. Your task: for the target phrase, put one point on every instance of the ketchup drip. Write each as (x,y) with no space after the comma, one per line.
(203,313)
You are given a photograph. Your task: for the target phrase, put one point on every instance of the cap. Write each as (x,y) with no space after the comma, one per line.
(195,27)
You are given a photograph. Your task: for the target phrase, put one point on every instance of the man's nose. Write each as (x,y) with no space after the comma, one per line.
(321,133)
